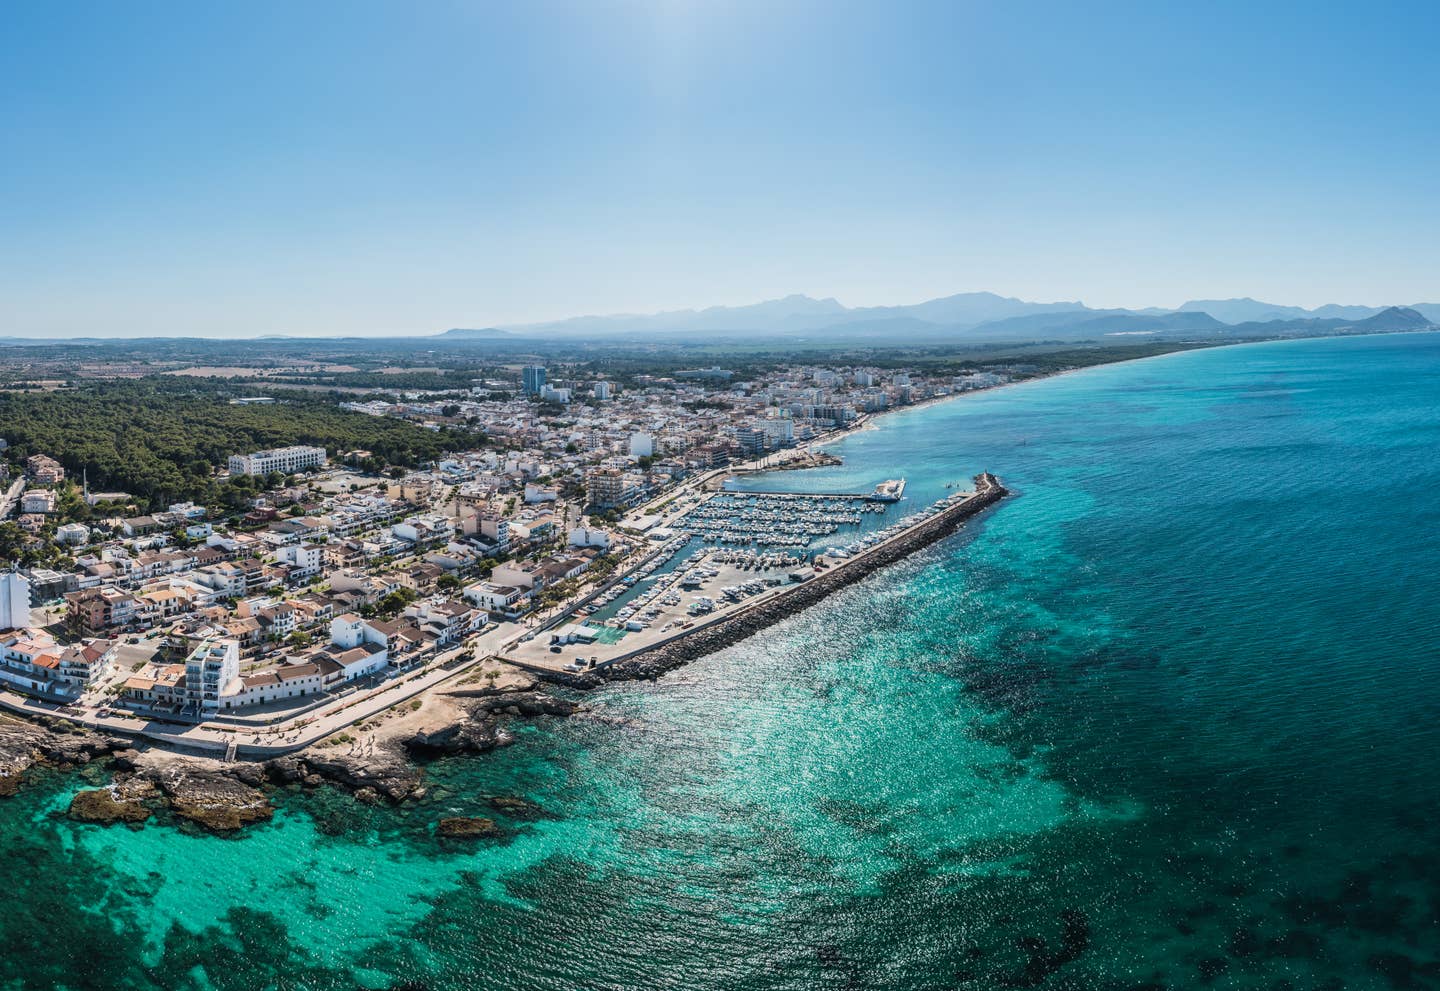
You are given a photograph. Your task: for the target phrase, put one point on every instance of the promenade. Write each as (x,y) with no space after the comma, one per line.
(223,739)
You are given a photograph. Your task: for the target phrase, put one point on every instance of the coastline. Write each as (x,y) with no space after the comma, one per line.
(382,765)
(872,420)
(447,717)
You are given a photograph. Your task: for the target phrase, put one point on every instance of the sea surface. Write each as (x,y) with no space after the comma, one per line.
(1168,718)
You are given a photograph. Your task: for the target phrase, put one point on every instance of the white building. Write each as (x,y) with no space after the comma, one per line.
(286,460)
(602,391)
(72,533)
(350,631)
(423,529)
(540,493)
(360,661)
(14,600)
(642,445)
(38,501)
(589,536)
(32,662)
(211,671)
(508,600)
(780,430)
(305,560)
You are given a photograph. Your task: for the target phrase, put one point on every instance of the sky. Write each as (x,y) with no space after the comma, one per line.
(362,167)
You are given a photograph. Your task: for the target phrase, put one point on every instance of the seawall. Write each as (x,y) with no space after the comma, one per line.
(655,661)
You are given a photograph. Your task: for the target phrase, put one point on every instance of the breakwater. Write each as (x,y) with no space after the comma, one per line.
(655,661)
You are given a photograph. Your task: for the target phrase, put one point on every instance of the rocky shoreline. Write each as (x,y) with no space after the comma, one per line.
(25,744)
(224,797)
(725,633)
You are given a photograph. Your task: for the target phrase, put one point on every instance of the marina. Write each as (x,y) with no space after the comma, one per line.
(774,519)
(700,587)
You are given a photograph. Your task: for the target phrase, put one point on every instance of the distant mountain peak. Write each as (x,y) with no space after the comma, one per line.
(474,332)
(1396,318)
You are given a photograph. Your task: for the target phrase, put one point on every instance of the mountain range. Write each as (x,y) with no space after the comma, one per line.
(968,318)
(983,317)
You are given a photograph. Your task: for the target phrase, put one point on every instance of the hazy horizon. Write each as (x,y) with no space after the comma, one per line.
(540,327)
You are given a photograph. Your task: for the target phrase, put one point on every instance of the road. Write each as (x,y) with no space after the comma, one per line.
(12,496)
(285,736)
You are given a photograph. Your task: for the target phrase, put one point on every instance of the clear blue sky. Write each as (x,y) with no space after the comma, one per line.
(313,167)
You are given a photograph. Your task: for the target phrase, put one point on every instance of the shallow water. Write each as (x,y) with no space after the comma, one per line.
(1164,719)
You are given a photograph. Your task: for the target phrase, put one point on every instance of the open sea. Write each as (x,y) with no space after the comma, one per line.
(1167,718)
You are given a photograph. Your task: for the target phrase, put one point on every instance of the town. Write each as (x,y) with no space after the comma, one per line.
(590,521)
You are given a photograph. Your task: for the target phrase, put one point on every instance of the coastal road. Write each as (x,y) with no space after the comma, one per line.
(290,735)
(12,496)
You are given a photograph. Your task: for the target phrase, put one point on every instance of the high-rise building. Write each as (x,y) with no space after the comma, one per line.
(532,379)
(752,440)
(211,670)
(602,391)
(14,600)
(605,487)
(780,430)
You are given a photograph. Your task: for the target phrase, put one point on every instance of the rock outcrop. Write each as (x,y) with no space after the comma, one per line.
(224,797)
(385,773)
(467,828)
(216,799)
(111,805)
(24,744)
(515,806)
(483,727)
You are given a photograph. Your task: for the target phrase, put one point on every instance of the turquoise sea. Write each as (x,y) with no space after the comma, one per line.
(1169,718)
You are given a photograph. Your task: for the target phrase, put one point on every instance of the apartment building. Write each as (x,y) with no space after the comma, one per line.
(38,501)
(95,610)
(286,460)
(211,671)
(605,487)
(44,470)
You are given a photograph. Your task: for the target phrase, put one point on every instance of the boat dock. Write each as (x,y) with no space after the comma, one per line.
(797,496)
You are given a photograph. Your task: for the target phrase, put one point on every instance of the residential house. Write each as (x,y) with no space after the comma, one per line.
(448,621)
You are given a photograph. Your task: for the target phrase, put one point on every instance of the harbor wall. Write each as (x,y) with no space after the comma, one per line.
(652,662)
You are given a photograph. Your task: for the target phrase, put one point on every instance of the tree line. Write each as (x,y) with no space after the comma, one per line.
(161,440)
